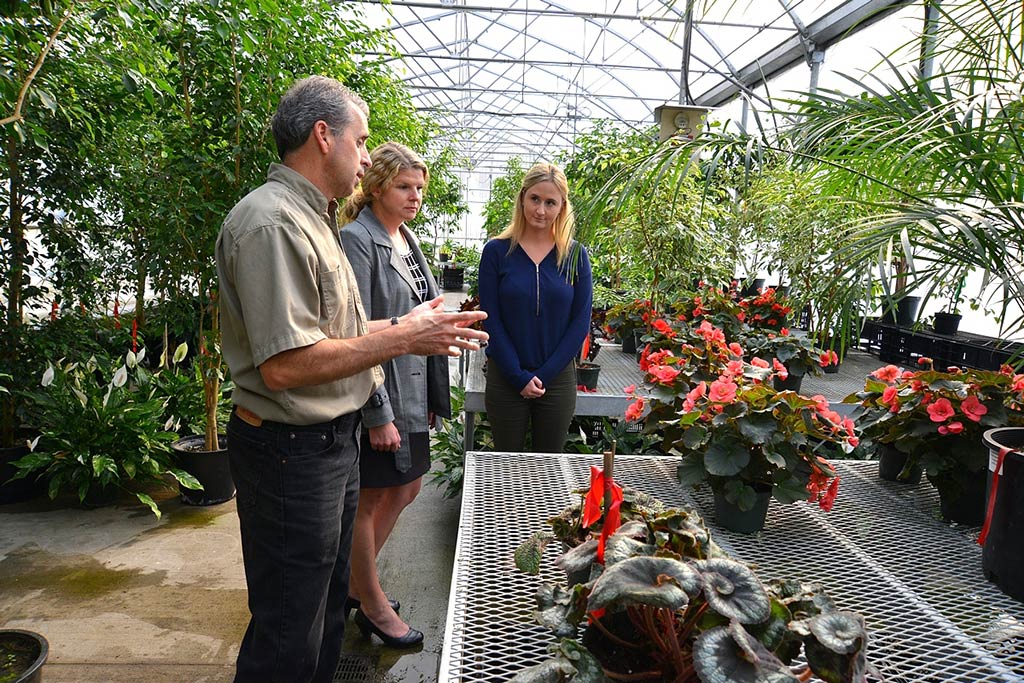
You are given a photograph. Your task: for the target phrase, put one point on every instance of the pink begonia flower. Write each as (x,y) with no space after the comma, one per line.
(759,362)
(780,369)
(665,374)
(635,410)
(973,409)
(887,374)
(890,398)
(951,428)
(737,350)
(941,410)
(723,390)
(734,367)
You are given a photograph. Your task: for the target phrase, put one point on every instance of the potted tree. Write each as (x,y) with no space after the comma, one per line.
(184,385)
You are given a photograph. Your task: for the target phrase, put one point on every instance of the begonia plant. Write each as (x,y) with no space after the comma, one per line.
(936,418)
(664,603)
(733,430)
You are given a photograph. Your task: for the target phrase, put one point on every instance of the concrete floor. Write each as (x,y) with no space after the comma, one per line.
(124,597)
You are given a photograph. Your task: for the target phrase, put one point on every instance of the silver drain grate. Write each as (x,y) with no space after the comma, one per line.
(355,669)
(882,551)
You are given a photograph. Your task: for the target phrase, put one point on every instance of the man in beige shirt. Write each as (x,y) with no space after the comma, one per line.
(304,360)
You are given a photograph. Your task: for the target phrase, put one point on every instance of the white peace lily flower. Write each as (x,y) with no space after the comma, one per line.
(48,376)
(141,354)
(180,352)
(120,377)
(33,442)
(81,397)
(106,396)
(130,360)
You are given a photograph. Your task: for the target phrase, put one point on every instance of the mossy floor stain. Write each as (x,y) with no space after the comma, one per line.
(74,578)
(192,517)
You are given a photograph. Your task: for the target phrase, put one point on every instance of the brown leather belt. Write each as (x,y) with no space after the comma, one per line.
(248,417)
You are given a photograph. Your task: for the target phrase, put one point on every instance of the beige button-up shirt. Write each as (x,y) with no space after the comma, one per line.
(285,283)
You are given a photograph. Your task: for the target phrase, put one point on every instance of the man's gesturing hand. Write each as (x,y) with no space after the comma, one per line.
(430,331)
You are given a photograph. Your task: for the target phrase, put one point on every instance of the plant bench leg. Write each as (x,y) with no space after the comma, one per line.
(469,433)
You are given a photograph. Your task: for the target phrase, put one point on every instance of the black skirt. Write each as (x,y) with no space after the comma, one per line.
(377,468)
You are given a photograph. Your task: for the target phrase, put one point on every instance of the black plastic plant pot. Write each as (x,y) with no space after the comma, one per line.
(22,655)
(892,461)
(1002,559)
(946,323)
(211,468)
(791,383)
(19,490)
(587,374)
(731,517)
(628,343)
(968,506)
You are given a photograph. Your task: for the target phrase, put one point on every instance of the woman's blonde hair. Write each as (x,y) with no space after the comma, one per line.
(561,229)
(389,159)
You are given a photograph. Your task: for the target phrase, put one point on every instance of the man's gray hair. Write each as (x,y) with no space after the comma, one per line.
(312,99)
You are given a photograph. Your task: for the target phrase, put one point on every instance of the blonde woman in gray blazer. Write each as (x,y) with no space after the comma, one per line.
(393,277)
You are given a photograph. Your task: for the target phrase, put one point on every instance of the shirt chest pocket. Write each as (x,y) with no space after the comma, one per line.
(337,301)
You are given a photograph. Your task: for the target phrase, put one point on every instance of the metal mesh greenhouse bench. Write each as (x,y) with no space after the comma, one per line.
(882,551)
(618,370)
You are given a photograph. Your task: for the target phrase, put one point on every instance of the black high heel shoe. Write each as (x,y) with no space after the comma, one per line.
(353,603)
(411,639)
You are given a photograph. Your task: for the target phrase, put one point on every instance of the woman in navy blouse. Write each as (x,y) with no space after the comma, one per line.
(535,285)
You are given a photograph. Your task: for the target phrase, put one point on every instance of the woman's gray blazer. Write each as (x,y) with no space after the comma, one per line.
(413,385)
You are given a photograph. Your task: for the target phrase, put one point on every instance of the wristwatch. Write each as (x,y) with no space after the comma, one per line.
(394,320)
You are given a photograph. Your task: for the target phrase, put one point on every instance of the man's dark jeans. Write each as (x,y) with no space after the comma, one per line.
(298,489)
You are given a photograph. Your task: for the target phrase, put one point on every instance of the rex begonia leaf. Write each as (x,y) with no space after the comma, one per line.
(734,591)
(527,556)
(554,604)
(621,548)
(556,670)
(588,669)
(654,581)
(579,558)
(757,428)
(728,654)
(835,650)
(687,534)
(726,458)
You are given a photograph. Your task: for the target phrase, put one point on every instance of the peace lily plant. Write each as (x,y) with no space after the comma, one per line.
(102,427)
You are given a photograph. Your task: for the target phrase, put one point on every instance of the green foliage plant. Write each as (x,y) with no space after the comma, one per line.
(179,383)
(448,446)
(102,426)
(665,603)
(501,199)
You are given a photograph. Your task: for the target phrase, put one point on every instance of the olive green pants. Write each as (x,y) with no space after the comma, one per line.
(546,419)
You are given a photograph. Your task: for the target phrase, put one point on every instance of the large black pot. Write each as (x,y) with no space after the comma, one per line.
(905,312)
(1002,559)
(791,383)
(211,468)
(22,655)
(946,323)
(19,490)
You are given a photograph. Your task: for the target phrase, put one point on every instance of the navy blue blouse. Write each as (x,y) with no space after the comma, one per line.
(537,319)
